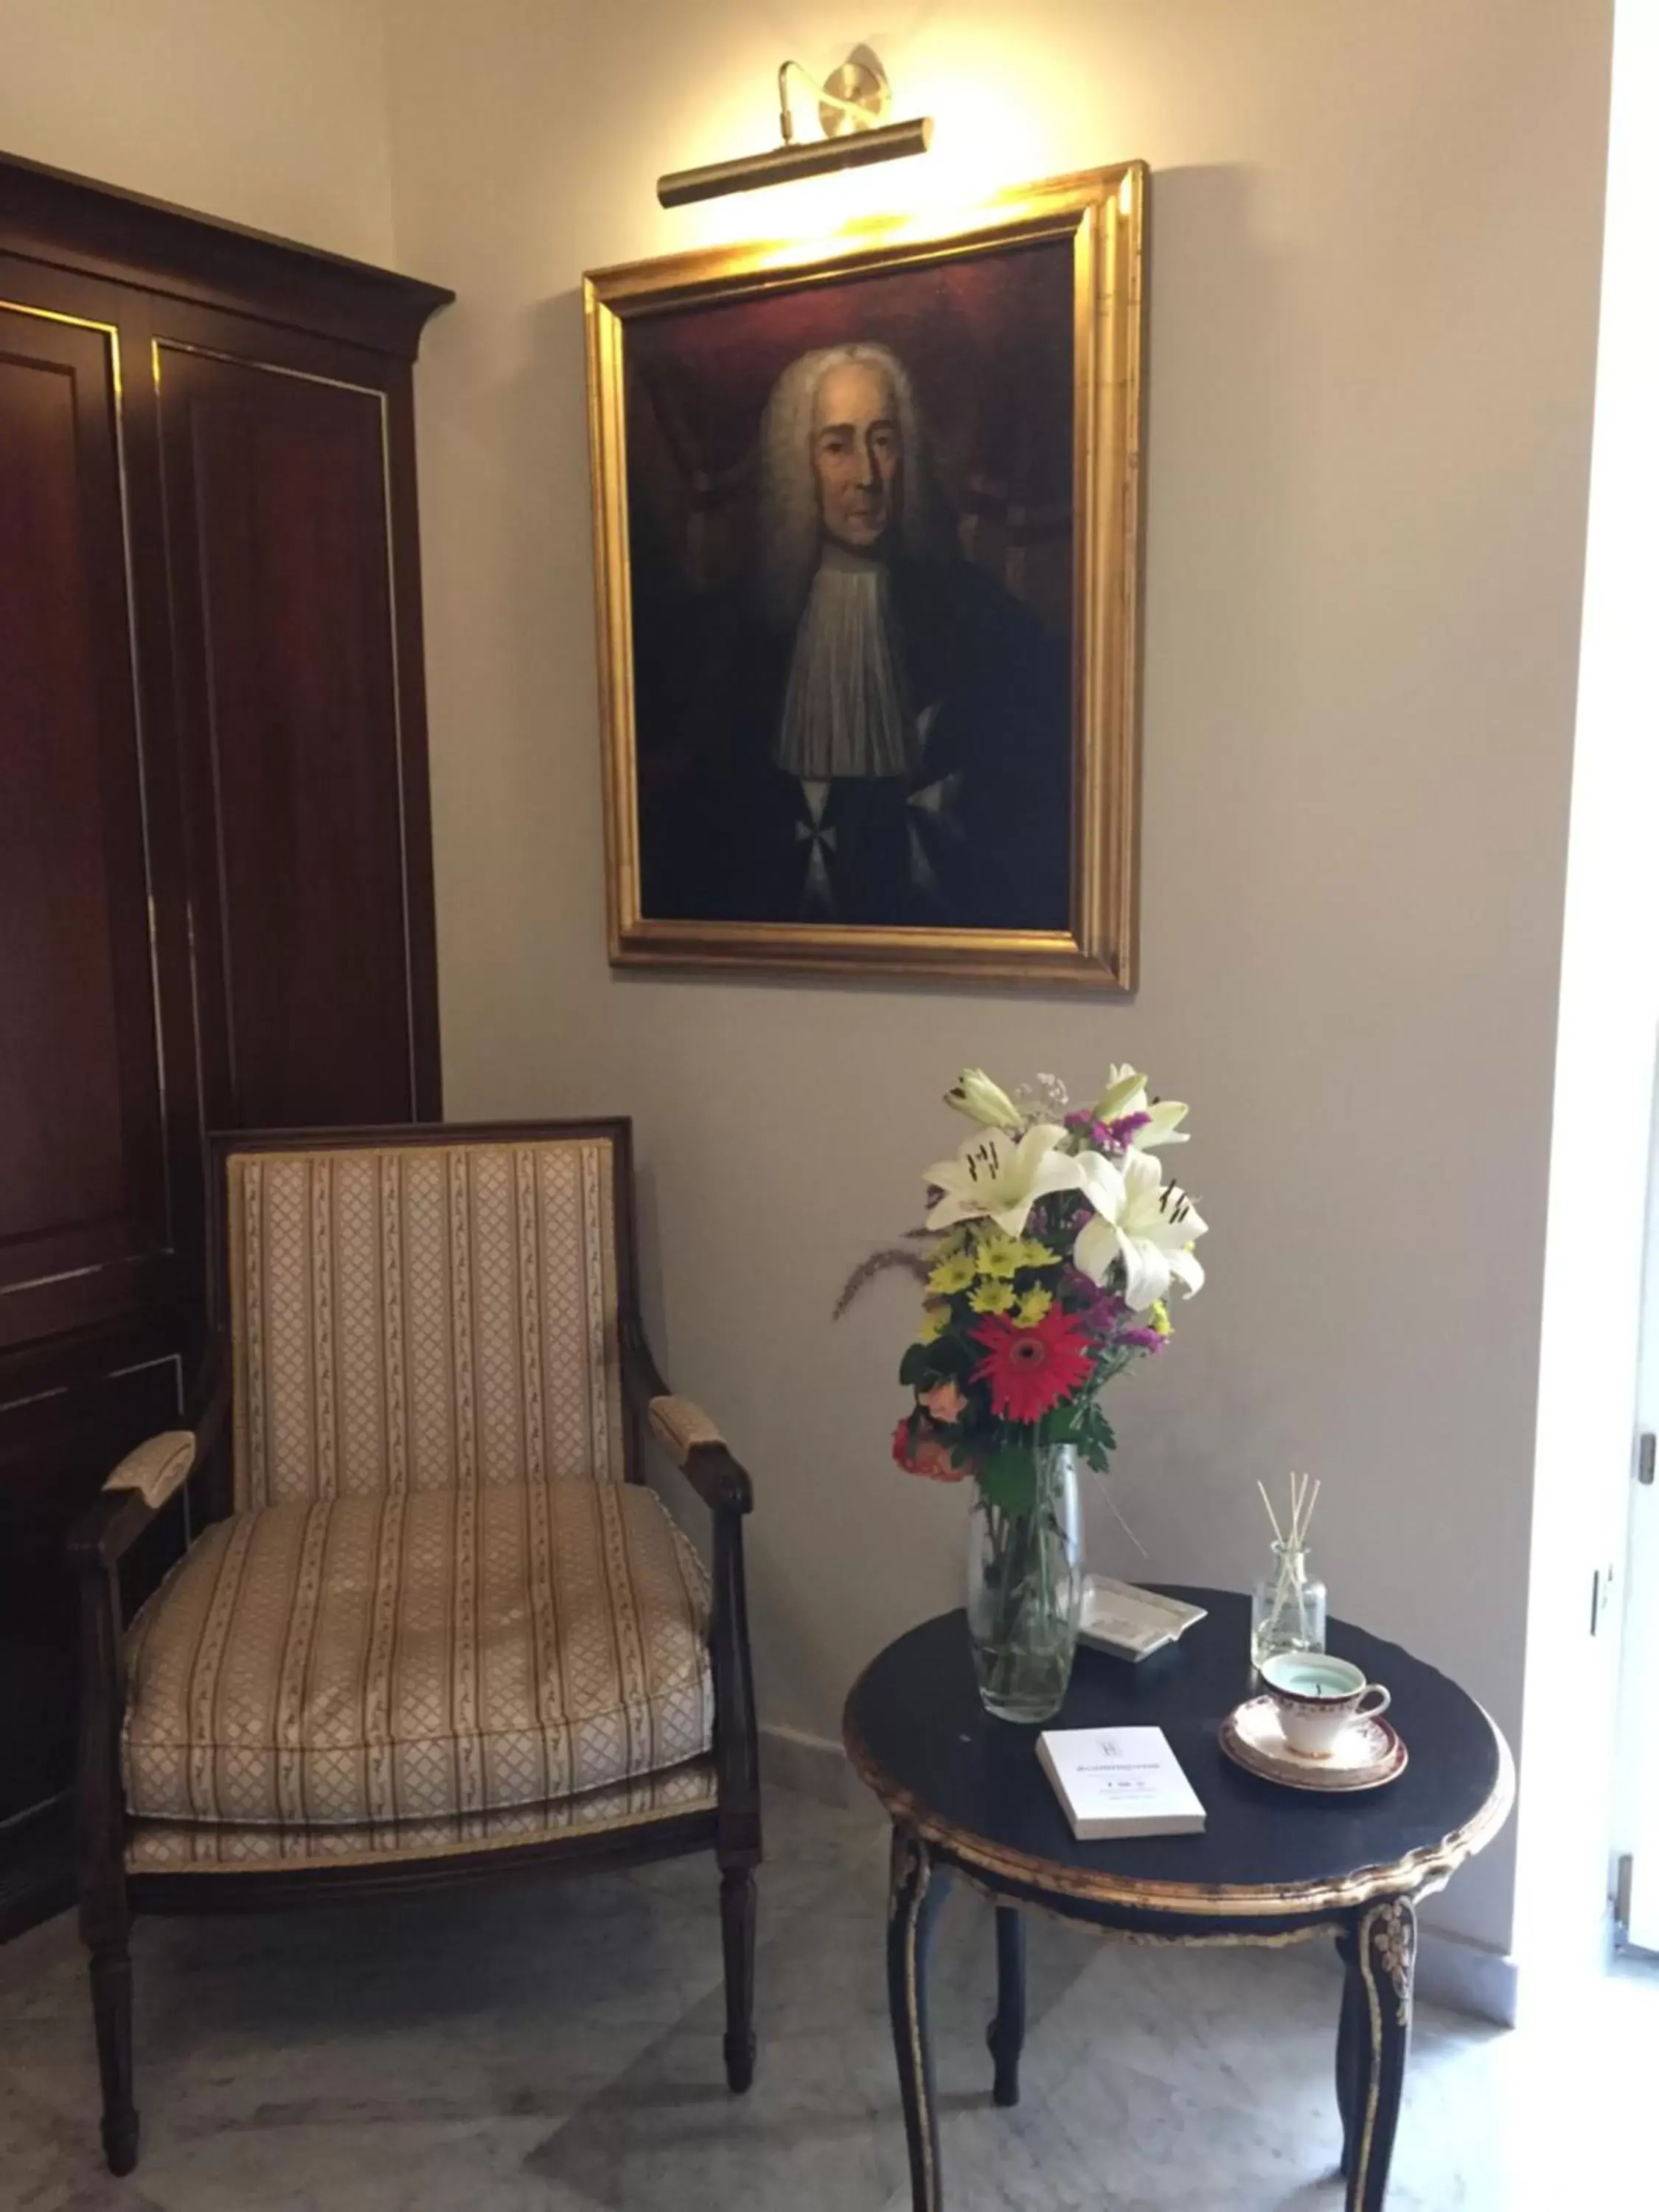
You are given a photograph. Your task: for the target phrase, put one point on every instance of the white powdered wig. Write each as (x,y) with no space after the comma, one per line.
(789,526)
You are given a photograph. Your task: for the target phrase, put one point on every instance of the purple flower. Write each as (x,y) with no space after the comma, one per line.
(1107,1136)
(1099,1310)
(1117,1136)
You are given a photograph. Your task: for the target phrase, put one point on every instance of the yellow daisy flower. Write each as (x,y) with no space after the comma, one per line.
(953,1273)
(998,1257)
(1031,1308)
(1158,1315)
(991,1297)
(1033,1254)
(935,1320)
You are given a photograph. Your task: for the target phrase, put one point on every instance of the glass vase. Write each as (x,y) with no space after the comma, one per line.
(1287,1607)
(1025,1586)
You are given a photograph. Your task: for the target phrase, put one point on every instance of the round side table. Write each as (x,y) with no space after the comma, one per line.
(968,1799)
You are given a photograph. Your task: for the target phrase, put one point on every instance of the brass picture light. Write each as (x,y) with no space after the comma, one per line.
(851,106)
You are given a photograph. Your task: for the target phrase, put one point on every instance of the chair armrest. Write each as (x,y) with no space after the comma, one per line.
(141,1485)
(688,1435)
(680,1425)
(700,1451)
(129,1501)
(110,1526)
(155,1467)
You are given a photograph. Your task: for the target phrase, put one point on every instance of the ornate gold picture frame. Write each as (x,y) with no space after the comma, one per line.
(867,526)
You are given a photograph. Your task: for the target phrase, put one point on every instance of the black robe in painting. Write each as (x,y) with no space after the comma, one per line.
(977,838)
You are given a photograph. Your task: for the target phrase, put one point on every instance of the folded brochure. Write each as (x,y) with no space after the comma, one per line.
(1117,1782)
(1132,1622)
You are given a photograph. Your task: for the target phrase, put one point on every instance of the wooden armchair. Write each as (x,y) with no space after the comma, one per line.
(435,1628)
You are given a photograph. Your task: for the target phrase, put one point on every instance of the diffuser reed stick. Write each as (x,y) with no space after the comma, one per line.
(1290,1594)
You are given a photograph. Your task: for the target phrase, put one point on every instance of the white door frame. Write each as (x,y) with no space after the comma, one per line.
(1636,1833)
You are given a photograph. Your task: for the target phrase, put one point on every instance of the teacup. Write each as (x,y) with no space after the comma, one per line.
(1318,1697)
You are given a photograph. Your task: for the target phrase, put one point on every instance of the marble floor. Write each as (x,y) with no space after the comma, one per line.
(556,2048)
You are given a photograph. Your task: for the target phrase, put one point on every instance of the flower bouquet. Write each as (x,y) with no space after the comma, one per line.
(1052,1245)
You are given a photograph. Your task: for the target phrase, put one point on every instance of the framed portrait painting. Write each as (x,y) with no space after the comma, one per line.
(868,520)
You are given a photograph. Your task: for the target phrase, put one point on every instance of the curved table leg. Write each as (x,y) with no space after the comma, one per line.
(1348,2086)
(917,1891)
(1384,1962)
(1005,2036)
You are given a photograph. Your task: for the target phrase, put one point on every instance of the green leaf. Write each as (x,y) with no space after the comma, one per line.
(1008,1479)
(915,1367)
(947,1359)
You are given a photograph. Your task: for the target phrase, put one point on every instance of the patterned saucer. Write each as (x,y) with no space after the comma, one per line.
(1368,1754)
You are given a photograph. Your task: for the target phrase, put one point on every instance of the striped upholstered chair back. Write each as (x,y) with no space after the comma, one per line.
(410,1317)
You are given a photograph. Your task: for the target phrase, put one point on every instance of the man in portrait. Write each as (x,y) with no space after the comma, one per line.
(877,733)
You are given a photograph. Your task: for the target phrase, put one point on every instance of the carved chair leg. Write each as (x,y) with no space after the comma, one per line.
(737,1942)
(1005,2036)
(110,1968)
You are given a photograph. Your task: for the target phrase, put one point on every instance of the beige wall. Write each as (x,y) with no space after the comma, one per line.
(1377,233)
(1374,286)
(272,115)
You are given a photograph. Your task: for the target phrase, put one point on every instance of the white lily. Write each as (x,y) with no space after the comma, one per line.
(973,1094)
(1122,1084)
(1149,1225)
(1125,1094)
(998,1177)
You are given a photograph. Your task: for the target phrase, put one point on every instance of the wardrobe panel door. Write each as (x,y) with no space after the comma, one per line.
(83,1180)
(282,596)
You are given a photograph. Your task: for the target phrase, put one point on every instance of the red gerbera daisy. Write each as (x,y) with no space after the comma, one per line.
(1030,1370)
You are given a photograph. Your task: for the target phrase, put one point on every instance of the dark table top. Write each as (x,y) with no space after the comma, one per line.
(918,1735)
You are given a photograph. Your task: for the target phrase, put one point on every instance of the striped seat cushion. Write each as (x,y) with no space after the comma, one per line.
(169,1847)
(418,1655)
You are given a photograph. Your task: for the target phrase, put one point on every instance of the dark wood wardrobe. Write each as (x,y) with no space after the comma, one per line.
(215,873)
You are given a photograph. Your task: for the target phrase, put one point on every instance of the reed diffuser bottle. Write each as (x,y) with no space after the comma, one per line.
(1287,1606)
